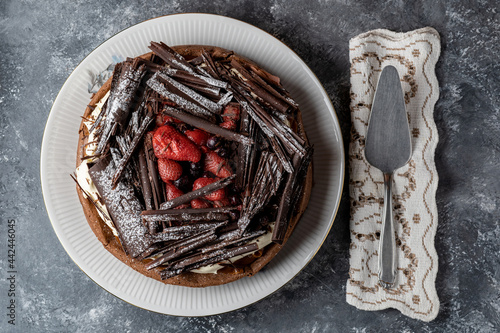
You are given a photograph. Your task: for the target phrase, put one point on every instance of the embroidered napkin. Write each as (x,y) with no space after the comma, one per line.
(414,54)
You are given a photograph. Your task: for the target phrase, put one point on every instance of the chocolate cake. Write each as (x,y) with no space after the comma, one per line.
(193,166)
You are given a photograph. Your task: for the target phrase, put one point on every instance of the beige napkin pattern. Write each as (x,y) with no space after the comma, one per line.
(414,54)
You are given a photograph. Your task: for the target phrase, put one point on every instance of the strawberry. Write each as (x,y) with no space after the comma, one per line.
(228,124)
(224,202)
(162,119)
(199,203)
(197,136)
(231,115)
(213,196)
(169,170)
(170,143)
(217,165)
(173,192)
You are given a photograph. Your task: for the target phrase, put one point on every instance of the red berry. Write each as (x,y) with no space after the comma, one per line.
(223,202)
(173,192)
(217,165)
(213,196)
(231,115)
(198,136)
(228,124)
(199,203)
(169,170)
(170,143)
(231,112)
(162,119)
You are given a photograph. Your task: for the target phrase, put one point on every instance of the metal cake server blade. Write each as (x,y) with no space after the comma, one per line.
(387,148)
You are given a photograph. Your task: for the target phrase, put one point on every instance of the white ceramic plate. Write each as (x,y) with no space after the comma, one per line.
(58,157)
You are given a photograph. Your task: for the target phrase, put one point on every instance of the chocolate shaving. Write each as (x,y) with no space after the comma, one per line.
(145,181)
(121,100)
(259,91)
(188,214)
(194,78)
(189,94)
(287,200)
(230,241)
(133,145)
(204,239)
(264,186)
(185,198)
(206,259)
(156,185)
(178,97)
(171,57)
(209,62)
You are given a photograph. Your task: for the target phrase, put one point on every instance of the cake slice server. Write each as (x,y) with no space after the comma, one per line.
(387,148)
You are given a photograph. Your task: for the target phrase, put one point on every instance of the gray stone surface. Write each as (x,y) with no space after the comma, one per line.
(42,41)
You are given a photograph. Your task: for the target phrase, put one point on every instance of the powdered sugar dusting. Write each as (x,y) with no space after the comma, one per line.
(125,209)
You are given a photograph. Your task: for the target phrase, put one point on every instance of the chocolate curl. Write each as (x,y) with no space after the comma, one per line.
(121,100)
(271,126)
(185,198)
(146,183)
(173,244)
(287,202)
(183,248)
(209,62)
(171,57)
(195,78)
(189,94)
(188,214)
(273,81)
(133,145)
(156,186)
(175,96)
(212,93)
(266,183)
(207,126)
(259,91)
(206,259)
(231,241)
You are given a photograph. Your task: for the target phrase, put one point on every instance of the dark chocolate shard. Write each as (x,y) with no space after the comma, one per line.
(188,214)
(206,126)
(231,241)
(195,78)
(183,248)
(157,187)
(210,65)
(259,91)
(266,183)
(189,94)
(288,201)
(193,227)
(171,57)
(146,183)
(123,206)
(206,259)
(121,100)
(176,96)
(185,198)
(148,119)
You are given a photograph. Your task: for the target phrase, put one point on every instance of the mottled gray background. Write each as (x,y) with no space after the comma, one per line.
(42,41)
